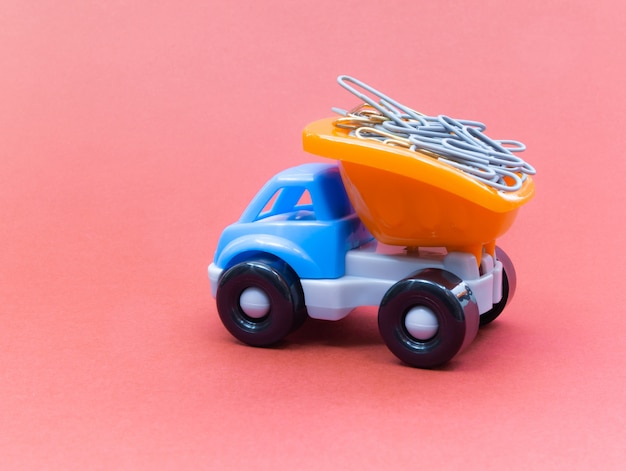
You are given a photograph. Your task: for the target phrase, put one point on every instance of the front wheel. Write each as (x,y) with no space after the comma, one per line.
(260,301)
(427,318)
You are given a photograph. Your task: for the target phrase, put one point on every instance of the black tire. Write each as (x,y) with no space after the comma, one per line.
(509,283)
(281,286)
(453,305)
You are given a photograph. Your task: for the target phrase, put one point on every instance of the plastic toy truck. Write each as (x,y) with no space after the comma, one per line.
(378,226)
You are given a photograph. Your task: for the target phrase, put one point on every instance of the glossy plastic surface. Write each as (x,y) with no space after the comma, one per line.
(411,199)
(280,289)
(452,305)
(302,216)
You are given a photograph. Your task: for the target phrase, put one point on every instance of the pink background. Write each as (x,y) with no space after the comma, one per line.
(132,133)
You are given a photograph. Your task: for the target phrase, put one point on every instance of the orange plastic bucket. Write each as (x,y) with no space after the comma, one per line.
(411,199)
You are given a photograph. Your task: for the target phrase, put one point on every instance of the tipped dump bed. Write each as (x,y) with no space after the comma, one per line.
(411,199)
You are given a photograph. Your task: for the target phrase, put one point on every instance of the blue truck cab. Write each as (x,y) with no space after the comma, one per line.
(302,216)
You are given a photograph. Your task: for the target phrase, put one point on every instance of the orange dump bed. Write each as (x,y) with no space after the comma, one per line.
(411,199)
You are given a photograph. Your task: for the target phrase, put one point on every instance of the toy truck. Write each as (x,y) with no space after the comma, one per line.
(377,226)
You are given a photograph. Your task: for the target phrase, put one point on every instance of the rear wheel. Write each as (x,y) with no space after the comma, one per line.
(509,283)
(260,301)
(426,319)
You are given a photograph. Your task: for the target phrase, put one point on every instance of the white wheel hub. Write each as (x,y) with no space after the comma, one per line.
(421,323)
(254,302)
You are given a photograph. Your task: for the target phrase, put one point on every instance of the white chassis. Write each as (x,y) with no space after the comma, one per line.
(374,268)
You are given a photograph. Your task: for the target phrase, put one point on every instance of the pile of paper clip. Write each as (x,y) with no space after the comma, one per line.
(460,143)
